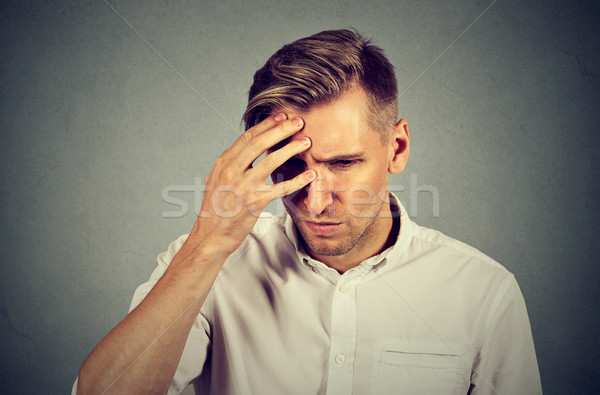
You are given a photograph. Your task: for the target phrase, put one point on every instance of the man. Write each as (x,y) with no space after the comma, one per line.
(344,294)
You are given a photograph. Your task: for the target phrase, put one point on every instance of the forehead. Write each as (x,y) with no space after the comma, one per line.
(342,126)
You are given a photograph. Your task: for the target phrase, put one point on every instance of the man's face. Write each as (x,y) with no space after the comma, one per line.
(343,208)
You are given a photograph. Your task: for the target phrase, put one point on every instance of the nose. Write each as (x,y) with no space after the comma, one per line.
(318,196)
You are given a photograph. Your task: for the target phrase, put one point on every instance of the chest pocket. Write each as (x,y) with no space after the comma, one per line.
(411,372)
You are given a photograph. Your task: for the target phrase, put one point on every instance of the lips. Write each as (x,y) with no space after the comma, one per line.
(323,228)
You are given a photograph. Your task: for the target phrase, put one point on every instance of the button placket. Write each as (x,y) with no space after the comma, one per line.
(343,334)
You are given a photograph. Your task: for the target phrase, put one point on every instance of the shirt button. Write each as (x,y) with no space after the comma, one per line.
(344,288)
(340,358)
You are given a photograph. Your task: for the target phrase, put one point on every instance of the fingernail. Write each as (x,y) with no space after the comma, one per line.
(279,117)
(311,175)
(305,141)
(297,122)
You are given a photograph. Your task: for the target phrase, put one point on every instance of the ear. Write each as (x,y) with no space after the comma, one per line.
(399,147)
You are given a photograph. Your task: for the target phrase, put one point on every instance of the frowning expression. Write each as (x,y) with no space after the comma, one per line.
(345,207)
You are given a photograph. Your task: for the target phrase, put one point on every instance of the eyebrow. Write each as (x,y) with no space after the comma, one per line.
(335,158)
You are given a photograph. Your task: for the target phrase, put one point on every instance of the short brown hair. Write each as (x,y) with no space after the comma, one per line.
(317,70)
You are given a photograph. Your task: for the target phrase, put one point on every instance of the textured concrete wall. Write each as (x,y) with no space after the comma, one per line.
(100,112)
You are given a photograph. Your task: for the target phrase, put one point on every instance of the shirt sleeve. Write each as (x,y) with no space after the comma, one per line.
(506,363)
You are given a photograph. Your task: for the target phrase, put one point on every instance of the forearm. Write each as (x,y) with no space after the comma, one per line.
(141,354)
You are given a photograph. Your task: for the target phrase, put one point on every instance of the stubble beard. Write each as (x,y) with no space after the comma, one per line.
(364,232)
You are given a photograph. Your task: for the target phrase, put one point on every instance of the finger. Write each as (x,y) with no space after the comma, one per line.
(290,186)
(255,145)
(266,124)
(242,141)
(277,158)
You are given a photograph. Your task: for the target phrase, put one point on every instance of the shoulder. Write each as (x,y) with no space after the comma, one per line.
(267,224)
(436,242)
(266,239)
(446,262)
(268,228)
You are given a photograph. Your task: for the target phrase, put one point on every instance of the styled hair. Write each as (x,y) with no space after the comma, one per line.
(317,70)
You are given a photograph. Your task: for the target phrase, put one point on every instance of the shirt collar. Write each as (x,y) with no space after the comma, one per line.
(291,232)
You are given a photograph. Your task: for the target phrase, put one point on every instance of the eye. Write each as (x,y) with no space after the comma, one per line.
(343,163)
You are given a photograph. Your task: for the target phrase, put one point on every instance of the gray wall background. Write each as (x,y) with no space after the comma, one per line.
(94,124)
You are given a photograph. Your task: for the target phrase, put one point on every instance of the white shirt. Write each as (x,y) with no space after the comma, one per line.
(429,315)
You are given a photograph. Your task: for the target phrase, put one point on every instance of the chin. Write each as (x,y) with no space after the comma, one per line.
(326,246)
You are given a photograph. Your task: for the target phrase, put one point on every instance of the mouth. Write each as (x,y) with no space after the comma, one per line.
(323,228)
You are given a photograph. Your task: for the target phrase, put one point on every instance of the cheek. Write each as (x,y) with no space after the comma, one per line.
(294,204)
(366,189)
(294,199)
(360,200)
